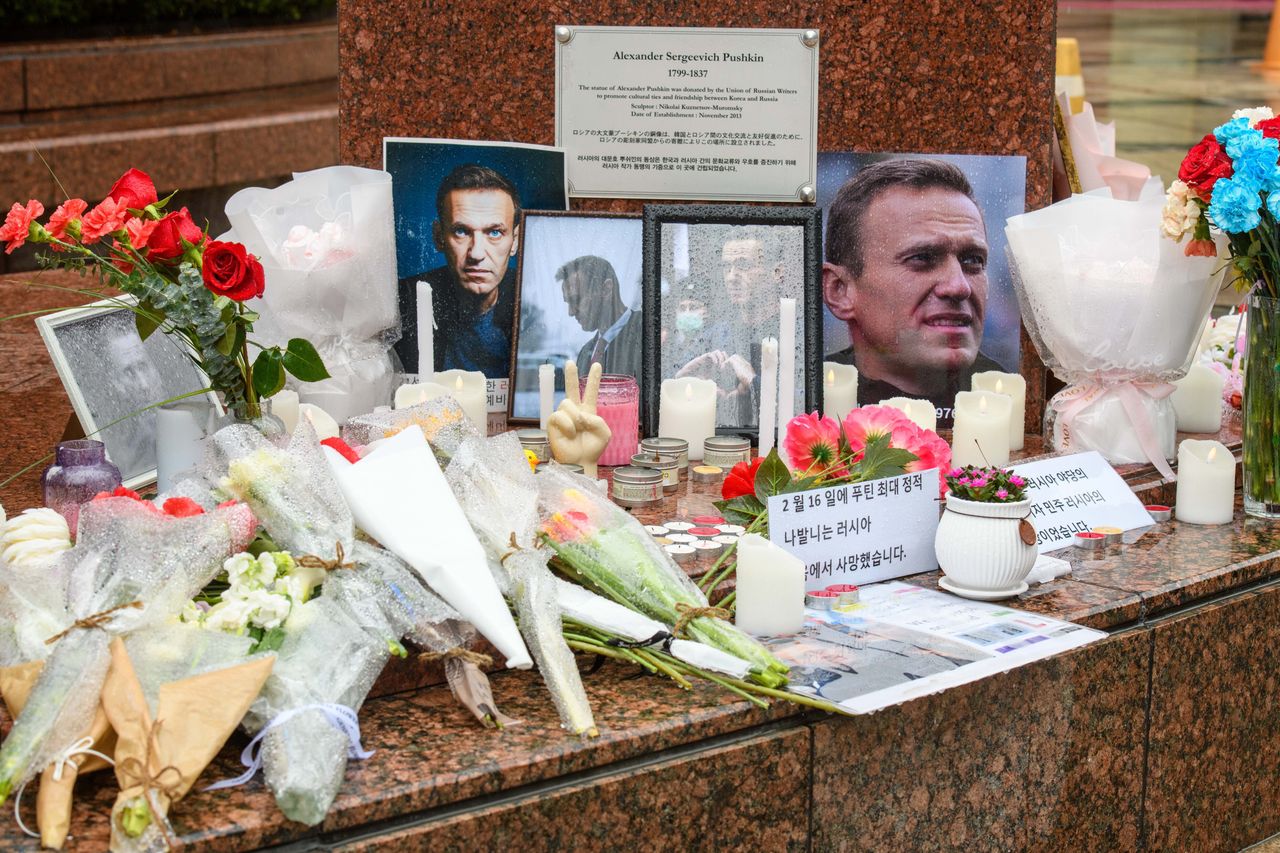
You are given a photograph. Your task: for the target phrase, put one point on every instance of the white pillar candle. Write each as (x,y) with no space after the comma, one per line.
(468,388)
(1206,483)
(786,368)
(839,389)
(426,331)
(922,413)
(770,587)
(981,434)
(284,405)
(1015,386)
(546,393)
(321,421)
(768,418)
(687,409)
(418,393)
(1197,400)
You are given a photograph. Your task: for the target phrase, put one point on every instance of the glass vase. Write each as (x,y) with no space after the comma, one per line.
(1261,409)
(618,403)
(79,471)
(266,422)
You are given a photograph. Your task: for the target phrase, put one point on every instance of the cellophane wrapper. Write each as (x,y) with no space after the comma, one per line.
(1114,310)
(326,241)
(442,420)
(126,551)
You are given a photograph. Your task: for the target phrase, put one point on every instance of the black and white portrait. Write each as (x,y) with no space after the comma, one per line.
(112,375)
(579,288)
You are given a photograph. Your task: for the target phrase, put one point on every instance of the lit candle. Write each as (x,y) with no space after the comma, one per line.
(1206,483)
(321,421)
(768,394)
(1197,400)
(426,331)
(468,388)
(284,405)
(418,393)
(770,588)
(922,413)
(839,389)
(981,435)
(546,393)
(786,368)
(1015,387)
(687,409)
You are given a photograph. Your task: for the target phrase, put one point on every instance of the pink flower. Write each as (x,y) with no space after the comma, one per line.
(139,231)
(1002,493)
(812,443)
(931,452)
(68,212)
(1016,481)
(18,222)
(861,425)
(104,219)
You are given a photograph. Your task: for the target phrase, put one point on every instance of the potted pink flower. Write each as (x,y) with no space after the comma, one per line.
(985,545)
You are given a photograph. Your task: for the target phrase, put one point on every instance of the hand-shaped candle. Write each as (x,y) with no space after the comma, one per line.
(577,434)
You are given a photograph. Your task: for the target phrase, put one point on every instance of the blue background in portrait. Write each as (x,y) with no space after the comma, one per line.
(418,166)
(1000,184)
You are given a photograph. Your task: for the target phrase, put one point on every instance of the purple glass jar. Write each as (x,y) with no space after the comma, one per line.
(79,471)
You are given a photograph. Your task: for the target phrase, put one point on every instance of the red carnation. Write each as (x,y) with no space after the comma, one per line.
(229,270)
(1203,165)
(342,448)
(166,240)
(134,190)
(120,492)
(1269,128)
(182,507)
(741,479)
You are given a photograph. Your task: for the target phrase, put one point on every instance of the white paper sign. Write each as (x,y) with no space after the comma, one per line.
(860,532)
(717,114)
(1076,493)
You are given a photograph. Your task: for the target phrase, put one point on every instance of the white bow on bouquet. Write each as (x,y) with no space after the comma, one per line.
(326,242)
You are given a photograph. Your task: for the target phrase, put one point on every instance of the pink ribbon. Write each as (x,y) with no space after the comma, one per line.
(1071,402)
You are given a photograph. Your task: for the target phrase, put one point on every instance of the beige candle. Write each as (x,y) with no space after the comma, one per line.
(981,434)
(1016,387)
(922,413)
(1206,483)
(839,389)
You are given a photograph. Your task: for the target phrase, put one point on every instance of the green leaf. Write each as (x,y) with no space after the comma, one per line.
(302,360)
(268,375)
(271,641)
(231,340)
(147,318)
(772,477)
(879,460)
(741,510)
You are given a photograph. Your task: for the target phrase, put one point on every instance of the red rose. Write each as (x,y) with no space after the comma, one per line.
(741,479)
(1269,128)
(134,190)
(166,240)
(1203,165)
(230,271)
(182,507)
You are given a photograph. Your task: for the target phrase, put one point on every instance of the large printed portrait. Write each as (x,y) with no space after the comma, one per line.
(916,285)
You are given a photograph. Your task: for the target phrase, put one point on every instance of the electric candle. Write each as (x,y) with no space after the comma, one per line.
(418,393)
(321,421)
(284,405)
(839,389)
(1206,482)
(981,435)
(770,588)
(468,388)
(922,413)
(1197,400)
(1015,387)
(687,410)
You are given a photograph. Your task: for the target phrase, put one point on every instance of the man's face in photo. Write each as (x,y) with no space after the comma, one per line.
(134,368)
(478,236)
(745,273)
(586,304)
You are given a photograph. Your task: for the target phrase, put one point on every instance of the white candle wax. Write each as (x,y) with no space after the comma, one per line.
(546,393)
(839,389)
(786,367)
(981,434)
(1197,400)
(770,588)
(687,409)
(1206,483)
(417,393)
(321,421)
(426,331)
(1015,387)
(768,394)
(922,413)
(468,388)
(284,405)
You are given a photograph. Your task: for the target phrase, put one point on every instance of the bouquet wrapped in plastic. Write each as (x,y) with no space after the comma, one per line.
(1114,311)
(326,242)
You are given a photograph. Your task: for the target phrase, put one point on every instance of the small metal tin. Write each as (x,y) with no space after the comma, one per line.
(636,487)
(708,546)
(725,451)
(1159,512)
(706,474)
(656,529)
(842,587)
(567,467)
(535,440)
(820,599)
(682,538)
(726,539)
(664,465)
(735,529)
(1089,541)
(704,532)
(677,447)
(681,553)
(678,526)
(1110,535)
(847,599)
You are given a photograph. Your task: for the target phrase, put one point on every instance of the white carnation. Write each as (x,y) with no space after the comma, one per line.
(231,614)
(1254,115)
(1180,213)
(34,538)
(267,610)
(245,573)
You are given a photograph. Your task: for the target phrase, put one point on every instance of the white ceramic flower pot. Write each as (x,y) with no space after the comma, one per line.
(979,549)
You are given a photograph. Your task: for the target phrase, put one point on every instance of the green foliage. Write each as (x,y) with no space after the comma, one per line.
(302,360)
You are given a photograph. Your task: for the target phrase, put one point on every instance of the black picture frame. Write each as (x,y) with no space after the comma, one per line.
(809,295)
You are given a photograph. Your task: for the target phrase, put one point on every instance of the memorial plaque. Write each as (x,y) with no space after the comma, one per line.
(688,113)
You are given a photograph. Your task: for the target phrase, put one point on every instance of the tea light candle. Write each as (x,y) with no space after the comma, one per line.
(770,588)
(284,405)
(418,393)
(468,388)
(786,367)
(981,435)
(839,389)
(1197,400)
(687,410)
(1206,483)
(768,394)
(321,421)
(922,413)
(1015,386)
(546,393)
(426,331)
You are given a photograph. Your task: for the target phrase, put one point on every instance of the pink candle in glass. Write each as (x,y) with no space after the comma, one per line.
(618,403)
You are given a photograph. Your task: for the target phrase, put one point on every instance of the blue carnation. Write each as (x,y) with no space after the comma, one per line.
(1273,205)
(1254,161)
(1235,205)
(1224,133)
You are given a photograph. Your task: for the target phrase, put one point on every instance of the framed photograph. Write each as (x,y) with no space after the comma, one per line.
(917,289)
(578,292)
(112,375)
(713,278)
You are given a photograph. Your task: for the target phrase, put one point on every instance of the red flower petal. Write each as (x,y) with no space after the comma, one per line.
(342,448)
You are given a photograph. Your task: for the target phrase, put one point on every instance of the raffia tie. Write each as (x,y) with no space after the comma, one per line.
(339,561)
(688,613)
(97,620)
(134,772)
(457,653)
